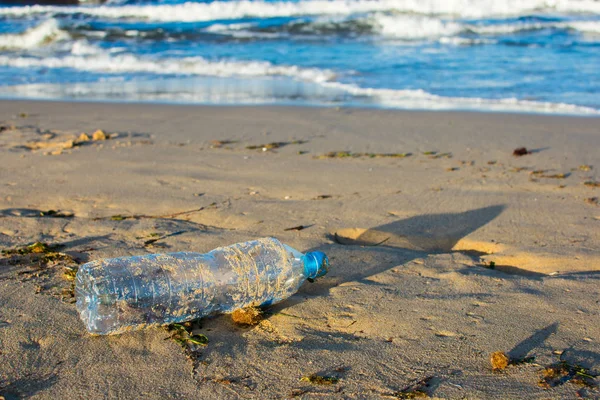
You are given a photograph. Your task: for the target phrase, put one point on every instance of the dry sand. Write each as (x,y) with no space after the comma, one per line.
(410,297)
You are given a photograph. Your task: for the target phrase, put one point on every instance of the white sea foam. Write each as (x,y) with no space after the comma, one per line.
(88,58)
(418,27)
(420,99)
(224,10)
(44,33)
(582,26)
(462,41)
(414,27)
(586,26)
(83,48)
(241,31)
(228,27)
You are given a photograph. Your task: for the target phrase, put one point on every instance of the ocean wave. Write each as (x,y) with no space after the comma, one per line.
(226,10)
(43,34)
(403,26)
(384,25)
(420,99)
(269,91)
(407,27)
(323,88)
(398,26)
(88,58)
(499,29)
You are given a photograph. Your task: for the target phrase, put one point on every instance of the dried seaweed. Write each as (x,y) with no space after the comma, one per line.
(538,172)
(217,144)
(56,214)
(317,379)
(417,390)
(563,372)
(440,155)
(70,273)
(338,154)
(273,145)
(43,252)
(37,247)
(593,184)
(39,253)
(388,155)
(555,176)
(348,154)
(182,334)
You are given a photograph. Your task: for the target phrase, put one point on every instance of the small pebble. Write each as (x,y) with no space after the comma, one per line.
(99,135)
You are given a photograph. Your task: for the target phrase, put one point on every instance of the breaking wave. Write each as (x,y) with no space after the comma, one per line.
(91,59)
(399,26)
(227,10)
(420,99)
(385,25)
(45,33)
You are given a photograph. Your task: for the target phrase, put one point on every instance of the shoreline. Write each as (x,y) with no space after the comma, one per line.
(309,105)
(289,107)
(444,247)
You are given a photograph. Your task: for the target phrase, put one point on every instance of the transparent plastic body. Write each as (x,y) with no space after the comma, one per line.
(130,293)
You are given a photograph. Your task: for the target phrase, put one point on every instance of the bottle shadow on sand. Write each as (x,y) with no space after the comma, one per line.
(357,254)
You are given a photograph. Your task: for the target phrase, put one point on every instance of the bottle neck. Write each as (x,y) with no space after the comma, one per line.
(316,264)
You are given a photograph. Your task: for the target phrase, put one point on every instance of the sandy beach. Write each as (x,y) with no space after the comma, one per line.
(444,247)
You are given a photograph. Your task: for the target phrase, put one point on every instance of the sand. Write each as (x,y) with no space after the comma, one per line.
(438,260)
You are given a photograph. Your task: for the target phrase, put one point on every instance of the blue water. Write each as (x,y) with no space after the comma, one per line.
(501,55)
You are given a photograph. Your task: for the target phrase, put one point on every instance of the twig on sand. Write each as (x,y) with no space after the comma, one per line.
(120,217)
(298,228)
(338,241)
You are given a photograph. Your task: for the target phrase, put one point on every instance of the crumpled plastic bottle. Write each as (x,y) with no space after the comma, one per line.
(129,293)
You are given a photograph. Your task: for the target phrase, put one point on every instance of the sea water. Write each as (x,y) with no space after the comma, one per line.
(539,56)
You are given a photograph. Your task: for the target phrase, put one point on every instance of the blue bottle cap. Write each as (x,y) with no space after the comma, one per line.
(316,264)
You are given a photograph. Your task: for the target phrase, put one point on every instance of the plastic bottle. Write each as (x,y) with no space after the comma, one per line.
(129,293)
